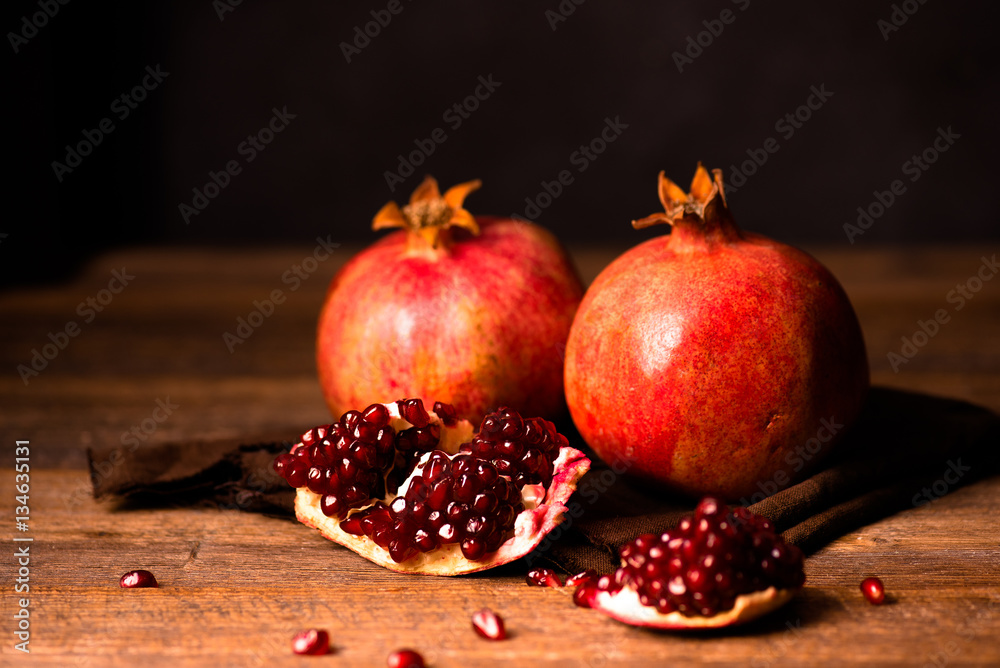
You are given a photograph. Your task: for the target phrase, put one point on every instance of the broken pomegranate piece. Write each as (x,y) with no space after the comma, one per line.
(138,579)
(416,491)
(312,642)
(405,658)
(873,590)
(543,577)
(583,576)
(716,568)
(489,625)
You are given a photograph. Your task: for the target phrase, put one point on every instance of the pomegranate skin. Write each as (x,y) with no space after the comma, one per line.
(476,321)
(708,358)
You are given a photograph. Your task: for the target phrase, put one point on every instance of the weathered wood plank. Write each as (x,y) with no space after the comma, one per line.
(235,587)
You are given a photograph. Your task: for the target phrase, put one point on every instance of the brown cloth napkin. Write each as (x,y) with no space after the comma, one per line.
(906,450)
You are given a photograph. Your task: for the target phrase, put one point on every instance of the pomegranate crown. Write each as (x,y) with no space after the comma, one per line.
(429,214)
(705,204)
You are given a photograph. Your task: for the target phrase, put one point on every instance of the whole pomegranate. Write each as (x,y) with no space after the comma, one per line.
(712,360)
(472,311)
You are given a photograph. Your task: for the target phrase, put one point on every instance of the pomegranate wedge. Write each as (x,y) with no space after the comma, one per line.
(416,491)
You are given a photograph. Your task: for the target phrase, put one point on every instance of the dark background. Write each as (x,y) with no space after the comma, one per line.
(325,173)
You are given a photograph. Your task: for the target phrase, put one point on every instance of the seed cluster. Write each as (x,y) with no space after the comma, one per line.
(523,450)
(471,499)
(461,500)
(701,566)
(344,462)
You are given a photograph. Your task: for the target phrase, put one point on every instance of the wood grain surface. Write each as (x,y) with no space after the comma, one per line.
(236,586)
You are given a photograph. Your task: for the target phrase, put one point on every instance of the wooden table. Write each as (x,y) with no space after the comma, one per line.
(236,586)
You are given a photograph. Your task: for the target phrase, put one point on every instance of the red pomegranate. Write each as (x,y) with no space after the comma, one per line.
(473,311)
(416,491)
(714,361)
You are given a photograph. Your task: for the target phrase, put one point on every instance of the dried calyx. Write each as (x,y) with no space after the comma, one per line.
(700,215)
(429,213)
(413,490)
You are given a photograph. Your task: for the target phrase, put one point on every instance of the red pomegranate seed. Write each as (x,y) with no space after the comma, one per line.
(543,577)
(405,658)
(137,579)
(446,412)
(873,590)
(413,411)
(311,641)
(489,625)
(581,577)
(584,594)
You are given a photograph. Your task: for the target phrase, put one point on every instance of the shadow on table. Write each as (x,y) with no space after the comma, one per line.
(905,450)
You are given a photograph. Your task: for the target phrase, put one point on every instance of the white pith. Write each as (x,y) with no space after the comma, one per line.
(624,605)
(543,510)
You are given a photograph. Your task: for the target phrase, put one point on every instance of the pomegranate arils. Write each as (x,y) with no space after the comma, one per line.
(413,411)
(522,449)
(489,625)
(703,565)
(138,579)
(346,462)
(873,590)
(405,658)
(543,577)
(311,641)
(429,515)
(342,462)
(584,594)
(446,412)
(587,575)
(377,415)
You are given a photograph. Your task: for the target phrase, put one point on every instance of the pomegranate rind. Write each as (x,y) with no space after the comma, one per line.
(625,607)
(544,508)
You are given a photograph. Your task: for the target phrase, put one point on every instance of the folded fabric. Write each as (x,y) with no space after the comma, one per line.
(906,450)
